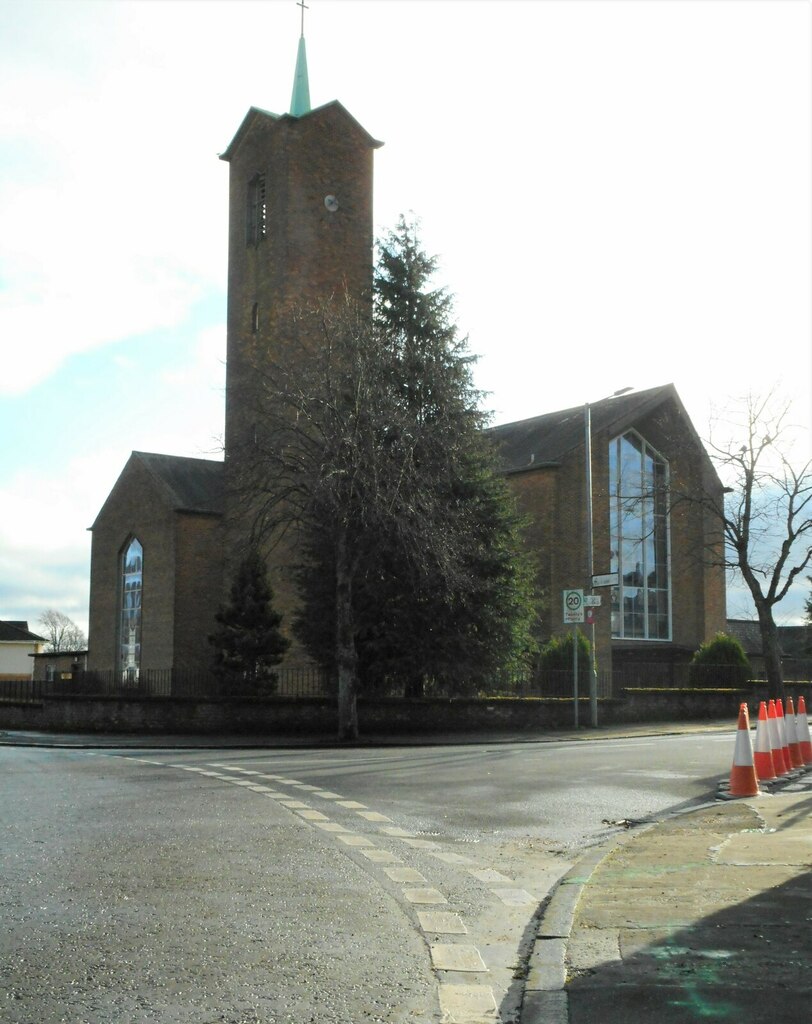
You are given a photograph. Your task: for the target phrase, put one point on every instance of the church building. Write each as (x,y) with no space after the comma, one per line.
(168,537)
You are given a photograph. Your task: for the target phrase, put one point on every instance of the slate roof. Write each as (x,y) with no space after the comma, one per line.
(794,641)
(545,440)
(17,631)
(190,485)
(257,113)
(747,632)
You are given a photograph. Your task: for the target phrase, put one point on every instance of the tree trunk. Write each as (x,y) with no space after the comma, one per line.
(772,652)
(346,657)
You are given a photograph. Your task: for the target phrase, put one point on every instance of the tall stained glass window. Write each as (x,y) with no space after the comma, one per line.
(638,523)
(132,576)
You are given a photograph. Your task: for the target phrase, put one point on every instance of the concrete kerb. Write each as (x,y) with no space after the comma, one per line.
(545,995)
(545,998)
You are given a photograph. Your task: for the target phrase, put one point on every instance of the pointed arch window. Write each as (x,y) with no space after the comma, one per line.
(256,211)
(639,532)
(132,581)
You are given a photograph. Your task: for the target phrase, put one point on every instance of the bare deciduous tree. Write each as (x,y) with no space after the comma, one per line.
(336,456)
(61,632)
(766,514)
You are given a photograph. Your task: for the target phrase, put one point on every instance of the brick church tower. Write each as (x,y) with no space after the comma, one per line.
(171,532)
(300,234)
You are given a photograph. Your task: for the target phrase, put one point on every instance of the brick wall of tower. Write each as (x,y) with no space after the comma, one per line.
(310,255)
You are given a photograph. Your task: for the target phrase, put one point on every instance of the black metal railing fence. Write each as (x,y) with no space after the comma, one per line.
(301,681)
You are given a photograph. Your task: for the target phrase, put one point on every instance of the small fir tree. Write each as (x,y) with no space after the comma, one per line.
(249,641)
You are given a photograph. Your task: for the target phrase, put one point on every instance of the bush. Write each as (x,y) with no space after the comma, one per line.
(719,663)
(556,656)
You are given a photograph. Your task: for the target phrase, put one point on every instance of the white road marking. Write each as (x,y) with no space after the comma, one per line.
(424,896)
(405,875)
(453,858)
(489,875)
(468,1004)
(373,816)
(452,957)
(381,856)
(515,897)
(441,922)
(311,815)
(354,840)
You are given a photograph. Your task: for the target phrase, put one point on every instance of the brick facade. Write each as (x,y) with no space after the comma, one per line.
(551,493)
(182,571)
(310,253)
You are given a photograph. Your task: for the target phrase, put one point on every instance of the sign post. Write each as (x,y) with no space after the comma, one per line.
(574,614)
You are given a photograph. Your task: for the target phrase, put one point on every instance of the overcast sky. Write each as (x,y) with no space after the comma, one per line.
(619,194)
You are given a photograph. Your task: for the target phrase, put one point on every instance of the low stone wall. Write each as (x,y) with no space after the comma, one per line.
(316,716)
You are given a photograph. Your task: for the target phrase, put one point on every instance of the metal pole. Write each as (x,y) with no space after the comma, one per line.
(575,674)
(593,672)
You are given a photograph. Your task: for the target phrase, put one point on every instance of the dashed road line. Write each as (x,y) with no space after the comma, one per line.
(462,1003)
(381,856)
(411,875)
(426,896)
(443,922)
(355,840)
(454,957)
(468,1004)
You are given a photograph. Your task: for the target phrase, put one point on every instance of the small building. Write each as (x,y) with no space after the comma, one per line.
(17,645)
(59,666)
(795,643)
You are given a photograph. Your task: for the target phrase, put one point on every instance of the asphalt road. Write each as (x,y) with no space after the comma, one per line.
(270,886)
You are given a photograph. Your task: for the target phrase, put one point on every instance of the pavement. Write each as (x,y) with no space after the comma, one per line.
(704,915)
(701,916)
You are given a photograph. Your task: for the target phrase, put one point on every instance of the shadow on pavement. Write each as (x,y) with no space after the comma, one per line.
(748,964)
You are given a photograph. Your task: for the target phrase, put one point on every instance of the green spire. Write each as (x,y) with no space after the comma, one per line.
(300,97)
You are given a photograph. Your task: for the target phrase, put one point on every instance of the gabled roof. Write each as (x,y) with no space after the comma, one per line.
(191,485)
(258,114)
(17,631)
(545,440)
(187,485)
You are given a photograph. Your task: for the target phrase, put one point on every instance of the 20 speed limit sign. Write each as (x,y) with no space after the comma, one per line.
(573,606)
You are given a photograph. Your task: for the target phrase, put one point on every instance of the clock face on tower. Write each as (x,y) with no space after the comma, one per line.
(331,203)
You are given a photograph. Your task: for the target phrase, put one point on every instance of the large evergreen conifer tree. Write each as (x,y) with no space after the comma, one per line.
(460,622)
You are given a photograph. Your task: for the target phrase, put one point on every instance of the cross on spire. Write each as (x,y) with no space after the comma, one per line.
(300,99)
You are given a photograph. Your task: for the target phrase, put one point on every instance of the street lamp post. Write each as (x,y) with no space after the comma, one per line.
(590,562)
(590,556)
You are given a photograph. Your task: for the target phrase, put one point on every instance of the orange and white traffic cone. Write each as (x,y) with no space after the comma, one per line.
(802,732)
(762,755)
(776,746)
(792,738)
(743,781)
(782,732)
